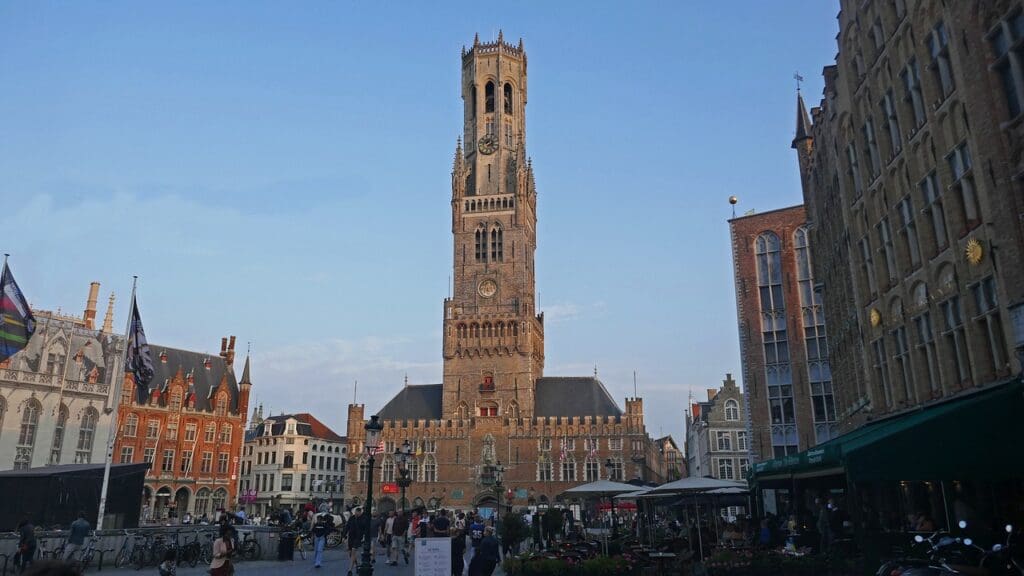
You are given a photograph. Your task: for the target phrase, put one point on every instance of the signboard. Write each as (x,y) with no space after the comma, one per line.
(458,494)
(521,493)
(433,557)
(389,488)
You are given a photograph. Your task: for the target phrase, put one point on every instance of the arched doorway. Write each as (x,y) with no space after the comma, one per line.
(543,501)
(219,500)
(418,503)
(385,505)
(147,505)
(486,504)
(182,499)
(162,504)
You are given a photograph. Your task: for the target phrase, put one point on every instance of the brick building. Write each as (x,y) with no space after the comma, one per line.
(189,425)
(786,374)
(716,434)
(551,433)
(56,397)
(289,460)
(911,172)
(673,459)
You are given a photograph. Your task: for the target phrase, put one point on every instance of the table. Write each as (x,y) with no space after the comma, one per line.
(661,558)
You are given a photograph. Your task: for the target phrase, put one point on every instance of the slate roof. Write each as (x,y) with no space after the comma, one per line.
(306,425)
(205,380)
(573,396)
(414,402)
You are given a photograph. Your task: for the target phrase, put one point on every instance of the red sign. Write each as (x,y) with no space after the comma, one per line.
(389,488)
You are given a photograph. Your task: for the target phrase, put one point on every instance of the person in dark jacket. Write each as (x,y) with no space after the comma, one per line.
(356,529)
(26,544)
(486,556)
(458,552)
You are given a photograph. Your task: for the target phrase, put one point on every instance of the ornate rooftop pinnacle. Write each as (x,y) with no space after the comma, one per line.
(803,121)
(476,39)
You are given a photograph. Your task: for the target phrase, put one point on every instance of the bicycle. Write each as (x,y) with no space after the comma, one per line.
(190,551)
(85,555)
(124,553)
(249,548)
(302,539)
(206,555)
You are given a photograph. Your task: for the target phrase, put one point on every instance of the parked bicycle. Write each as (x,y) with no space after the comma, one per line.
(124,553)
(248,547)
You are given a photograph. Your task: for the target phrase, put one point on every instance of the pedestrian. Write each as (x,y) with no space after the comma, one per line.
(169,567)
(388,536)
(486,556)
(26,544)
(441,524)
(77,535)
(458,552)
(376,535)
(476,535)
(355,531)
(223,548)
(322,526)
(399,528)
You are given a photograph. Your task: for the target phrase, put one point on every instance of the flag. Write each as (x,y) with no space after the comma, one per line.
(139,362)
(16,321)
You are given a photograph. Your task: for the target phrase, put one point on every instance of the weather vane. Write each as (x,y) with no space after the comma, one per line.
(798,78)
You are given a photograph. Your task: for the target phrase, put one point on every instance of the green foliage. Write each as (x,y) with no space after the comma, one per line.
(552,521)
(512,529)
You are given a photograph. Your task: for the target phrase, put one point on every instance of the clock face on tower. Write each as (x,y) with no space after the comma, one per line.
(487,288)
(488,144)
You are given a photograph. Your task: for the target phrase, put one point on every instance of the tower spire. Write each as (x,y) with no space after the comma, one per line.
(108,319)
(803,121)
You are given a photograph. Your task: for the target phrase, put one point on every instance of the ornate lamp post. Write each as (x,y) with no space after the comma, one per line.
(373,430)
(402,455)
(610,467)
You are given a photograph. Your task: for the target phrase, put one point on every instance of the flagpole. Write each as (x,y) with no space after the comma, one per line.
(113,417)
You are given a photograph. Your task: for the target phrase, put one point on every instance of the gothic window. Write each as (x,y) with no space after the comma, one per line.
(202,501)
(481,244)
(513,410)
(222,406)
(58,435)
(387,470)
(489,98)
(732,410)
(508,98)
(462,411)
(429,469)
(220,496)
(544,470)
(27,437)
(364,468)
(497,245)
(86,435)
(569,469)
(175,400)
(414,470)
(592,470)
(473,107)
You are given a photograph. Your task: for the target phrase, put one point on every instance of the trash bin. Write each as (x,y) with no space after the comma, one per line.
(286,546)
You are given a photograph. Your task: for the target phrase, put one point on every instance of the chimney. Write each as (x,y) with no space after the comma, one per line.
(108,320)
(90,305)
(227,351)
(223,347)
(711,394)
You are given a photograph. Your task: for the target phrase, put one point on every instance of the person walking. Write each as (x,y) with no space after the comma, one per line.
(323,524)
(223,548)
(399,529)
(823,526)
(26,544)
(388,536)
(486,556)
(355,530)
(77,535)
(458,552)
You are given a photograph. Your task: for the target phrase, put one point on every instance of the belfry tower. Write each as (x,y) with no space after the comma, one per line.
(493,337)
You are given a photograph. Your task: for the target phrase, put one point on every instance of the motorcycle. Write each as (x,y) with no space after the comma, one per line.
(941,554)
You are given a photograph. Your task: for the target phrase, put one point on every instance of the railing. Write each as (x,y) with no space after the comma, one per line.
(25,377)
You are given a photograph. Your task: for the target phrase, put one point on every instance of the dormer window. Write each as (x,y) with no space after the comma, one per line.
(290,428)
(163,356)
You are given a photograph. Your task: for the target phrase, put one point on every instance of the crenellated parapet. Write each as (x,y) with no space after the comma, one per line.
(499,46)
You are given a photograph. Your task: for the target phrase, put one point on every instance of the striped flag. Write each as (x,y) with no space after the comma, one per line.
(16,321)
(139,361)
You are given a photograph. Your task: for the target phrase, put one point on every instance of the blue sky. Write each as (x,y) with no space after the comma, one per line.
(281,171)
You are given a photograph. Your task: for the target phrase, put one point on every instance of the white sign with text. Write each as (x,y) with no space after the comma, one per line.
(433,556)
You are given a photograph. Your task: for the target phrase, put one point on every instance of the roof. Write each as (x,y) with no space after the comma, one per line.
(205,380)
(306,425)
(414,402)
(803,121)
(573,396)
(245,373)
(38,471)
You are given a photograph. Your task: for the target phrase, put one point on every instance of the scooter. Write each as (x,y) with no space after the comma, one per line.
(945,555)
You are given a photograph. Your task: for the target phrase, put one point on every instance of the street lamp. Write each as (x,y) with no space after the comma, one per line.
(373,430)
(403,455)
(610,467)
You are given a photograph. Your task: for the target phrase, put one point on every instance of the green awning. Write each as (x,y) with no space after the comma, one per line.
(963,437)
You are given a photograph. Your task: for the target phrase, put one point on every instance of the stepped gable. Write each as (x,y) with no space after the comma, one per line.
(168,361)
(573,396)
(414,402)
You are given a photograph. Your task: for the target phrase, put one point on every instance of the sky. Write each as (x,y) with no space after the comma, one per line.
(281,172)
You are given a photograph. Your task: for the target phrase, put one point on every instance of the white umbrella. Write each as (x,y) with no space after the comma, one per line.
(633,495)
(601,488)
(687,485)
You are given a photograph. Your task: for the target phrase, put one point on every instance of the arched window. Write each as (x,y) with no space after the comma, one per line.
(489,97)
(497,245)
(414,469)
(203,501)
(219,497)
(58,435)
(481,243)
(27,435)
(86,436)
(462,411)
(429,469)
(131,426)
(387,470)
(732,410)
(508,99)
(364,469)
(473,105)
(513,410)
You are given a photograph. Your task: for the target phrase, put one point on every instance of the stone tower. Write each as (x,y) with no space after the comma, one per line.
(493,337)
